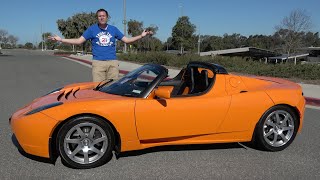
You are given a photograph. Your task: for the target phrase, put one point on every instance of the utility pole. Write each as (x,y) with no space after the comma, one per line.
(125,25)
(181,9)
(199,43)
(41,38)
(181,14)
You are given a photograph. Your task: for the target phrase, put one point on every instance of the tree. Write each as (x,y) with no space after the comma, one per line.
(47,44)
(311,39)
(3,36)
(182,33)
(168,44)
(28,45)
(5,41)
(151,43)
(12,40)
(292,28)
(135,28)
(74,26)
(233,41)
(261,41)
(216,43)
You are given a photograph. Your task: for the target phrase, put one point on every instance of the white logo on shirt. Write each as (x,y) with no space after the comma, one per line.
(104,39)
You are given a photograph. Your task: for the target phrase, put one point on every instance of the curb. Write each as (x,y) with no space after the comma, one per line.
(312,101)
(90,63)
(309,100)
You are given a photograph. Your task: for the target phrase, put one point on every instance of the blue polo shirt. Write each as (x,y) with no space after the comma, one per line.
(103,41)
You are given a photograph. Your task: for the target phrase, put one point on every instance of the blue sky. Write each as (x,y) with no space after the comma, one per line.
(24,18)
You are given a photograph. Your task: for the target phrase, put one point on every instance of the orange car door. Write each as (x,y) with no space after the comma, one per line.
(179,116)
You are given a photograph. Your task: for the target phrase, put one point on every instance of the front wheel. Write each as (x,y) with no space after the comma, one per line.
(276,129)
(85,142)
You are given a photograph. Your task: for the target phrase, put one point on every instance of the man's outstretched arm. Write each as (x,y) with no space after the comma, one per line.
(75,41)
(133,39)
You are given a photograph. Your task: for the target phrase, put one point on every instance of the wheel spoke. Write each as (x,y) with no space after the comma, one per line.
(73,141)
(99,140)
(275,138)
(270,123)
(93,129)
(284,138)
(284,121)
(287,128)
(269,133)
(277,118)
(96,150)
(86,157)
(81,133)
(75,151)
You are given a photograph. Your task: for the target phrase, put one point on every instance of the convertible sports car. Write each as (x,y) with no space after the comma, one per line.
(84,123)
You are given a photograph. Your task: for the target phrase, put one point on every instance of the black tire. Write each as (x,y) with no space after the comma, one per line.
(276,129)
(85,142)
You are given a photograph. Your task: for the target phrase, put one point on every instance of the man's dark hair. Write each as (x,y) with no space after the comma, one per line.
(102,10)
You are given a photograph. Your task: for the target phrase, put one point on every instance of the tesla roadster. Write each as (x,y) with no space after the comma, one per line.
(84,123)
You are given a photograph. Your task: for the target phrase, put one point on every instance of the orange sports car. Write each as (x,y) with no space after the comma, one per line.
(84,123)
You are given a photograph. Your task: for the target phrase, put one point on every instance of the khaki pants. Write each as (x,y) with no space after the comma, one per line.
(102,70)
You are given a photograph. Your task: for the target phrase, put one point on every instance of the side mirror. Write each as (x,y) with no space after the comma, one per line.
(164,92)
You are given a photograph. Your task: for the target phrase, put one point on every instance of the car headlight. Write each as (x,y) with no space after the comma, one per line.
(53,91)
(41,108)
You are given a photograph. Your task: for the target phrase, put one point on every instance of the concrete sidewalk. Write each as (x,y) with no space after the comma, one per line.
(311,92)
(124,66)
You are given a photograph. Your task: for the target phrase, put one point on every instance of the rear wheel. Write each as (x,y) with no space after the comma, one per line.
(85,142)
(277,128)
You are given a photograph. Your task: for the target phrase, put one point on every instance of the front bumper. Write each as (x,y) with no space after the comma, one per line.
(33,132)
(301,106)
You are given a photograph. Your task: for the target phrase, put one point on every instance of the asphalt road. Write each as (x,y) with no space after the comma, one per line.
(25,75)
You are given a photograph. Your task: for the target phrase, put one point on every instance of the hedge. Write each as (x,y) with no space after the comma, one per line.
(232,64)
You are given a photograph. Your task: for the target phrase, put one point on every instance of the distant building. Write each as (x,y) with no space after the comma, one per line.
(286,58)
(253,52)
(314,54)
(309,54)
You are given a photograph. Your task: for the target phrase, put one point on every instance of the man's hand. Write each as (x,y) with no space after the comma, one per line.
(146,32)
(55,38)
(133,39)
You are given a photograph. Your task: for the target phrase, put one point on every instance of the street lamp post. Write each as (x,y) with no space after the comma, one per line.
(41,39)
(125,25)
(199,41)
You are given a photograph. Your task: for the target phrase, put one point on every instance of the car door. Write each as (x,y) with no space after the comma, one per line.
(179,116)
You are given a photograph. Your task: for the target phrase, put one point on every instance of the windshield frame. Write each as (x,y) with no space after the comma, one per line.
(162,73)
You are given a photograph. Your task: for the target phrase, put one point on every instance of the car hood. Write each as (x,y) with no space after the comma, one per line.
(69,94)
(74,93)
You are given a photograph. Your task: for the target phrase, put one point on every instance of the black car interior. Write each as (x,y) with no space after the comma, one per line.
(189,81)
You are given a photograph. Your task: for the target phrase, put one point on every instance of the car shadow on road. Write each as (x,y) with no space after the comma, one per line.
(183,148)
(191,147)
(22,152)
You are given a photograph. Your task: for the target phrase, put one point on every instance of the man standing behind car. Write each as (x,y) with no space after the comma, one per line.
(103,39)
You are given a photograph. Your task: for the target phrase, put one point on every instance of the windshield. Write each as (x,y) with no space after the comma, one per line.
(136,82)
